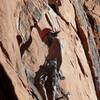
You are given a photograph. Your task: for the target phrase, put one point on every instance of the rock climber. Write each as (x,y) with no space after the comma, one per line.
(51,74)
(53,43)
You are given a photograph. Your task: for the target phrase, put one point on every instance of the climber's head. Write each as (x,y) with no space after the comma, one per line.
(47,35)
(44,33)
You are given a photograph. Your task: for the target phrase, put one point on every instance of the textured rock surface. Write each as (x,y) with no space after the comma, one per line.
(22,51)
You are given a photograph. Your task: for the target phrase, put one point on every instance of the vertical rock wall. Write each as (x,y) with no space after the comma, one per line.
(22,51)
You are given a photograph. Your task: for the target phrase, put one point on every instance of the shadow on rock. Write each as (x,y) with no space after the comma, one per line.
(7,91)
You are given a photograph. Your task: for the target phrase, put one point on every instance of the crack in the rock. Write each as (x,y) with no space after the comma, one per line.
(81,66)
(86,48)
(7,91)
(87,45)
(25,46)
(4,51)
(56,10)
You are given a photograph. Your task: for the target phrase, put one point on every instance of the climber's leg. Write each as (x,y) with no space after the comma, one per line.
(49,90)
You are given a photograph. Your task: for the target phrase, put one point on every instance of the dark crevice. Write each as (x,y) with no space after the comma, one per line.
(99,51)
(94,26)
(72,64)
(25,45)
(81,66)
(56,10)
(85,46)
(53,6)
(91,20)
(34,95)
(79,76)
(19,39)
(48,20)
(67,23)
(7,91)
(94,71)
(82,37)
(4,51)
(84,42)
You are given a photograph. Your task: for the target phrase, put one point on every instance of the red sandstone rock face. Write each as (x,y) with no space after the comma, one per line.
(92,8)
(22,51)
